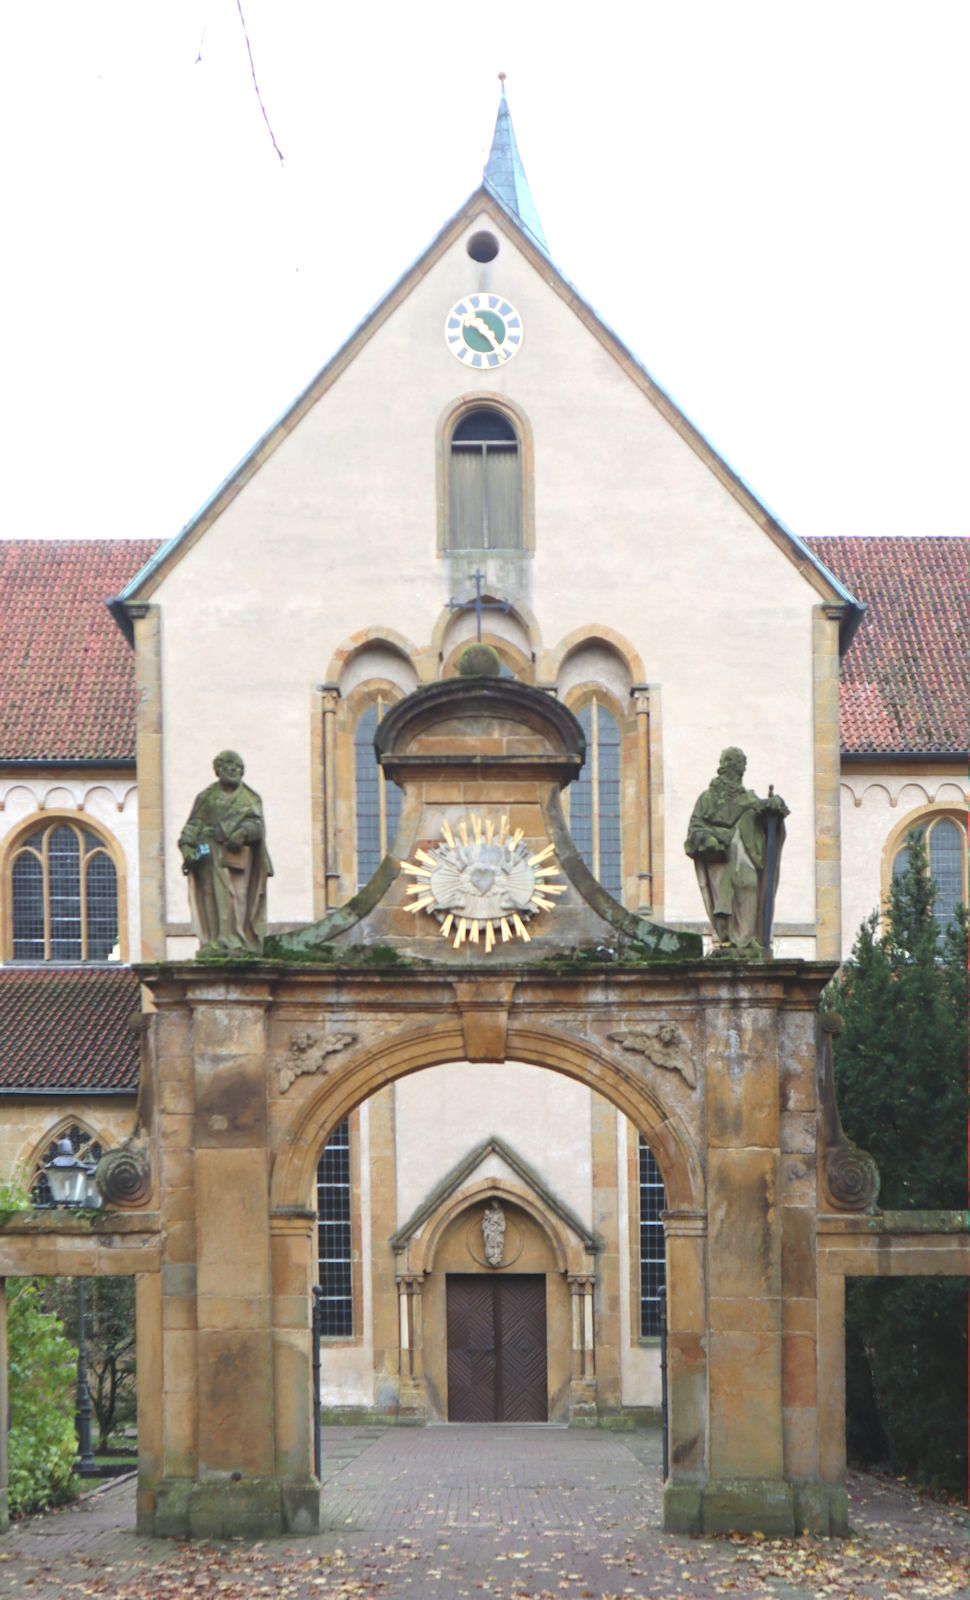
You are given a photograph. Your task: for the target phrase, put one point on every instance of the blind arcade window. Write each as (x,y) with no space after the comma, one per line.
(334,1236)
(484,494)
(653,1258)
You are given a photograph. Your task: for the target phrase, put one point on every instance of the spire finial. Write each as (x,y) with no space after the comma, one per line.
(505,174)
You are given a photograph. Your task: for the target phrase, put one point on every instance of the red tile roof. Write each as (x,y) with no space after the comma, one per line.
(904,678)
(67,688)
(68,1028)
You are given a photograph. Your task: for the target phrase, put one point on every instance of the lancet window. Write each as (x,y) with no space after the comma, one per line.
(378,802)
(653,1258)
(594,802)
(484,483)
(335,1235)
(946,850)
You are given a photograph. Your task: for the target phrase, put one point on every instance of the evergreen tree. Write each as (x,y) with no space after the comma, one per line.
(900,1066)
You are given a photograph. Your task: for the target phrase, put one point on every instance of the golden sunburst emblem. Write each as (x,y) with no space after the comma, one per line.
(483,881)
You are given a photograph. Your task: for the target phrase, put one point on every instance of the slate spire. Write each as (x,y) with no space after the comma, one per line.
(505,174)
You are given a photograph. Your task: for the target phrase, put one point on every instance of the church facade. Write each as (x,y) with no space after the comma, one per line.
(483,461)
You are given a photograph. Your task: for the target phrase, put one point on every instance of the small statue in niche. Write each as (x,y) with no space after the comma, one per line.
(225,859)
(493,1233)
(735,841)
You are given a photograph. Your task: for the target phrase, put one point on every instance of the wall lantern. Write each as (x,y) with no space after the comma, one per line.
(71,1181)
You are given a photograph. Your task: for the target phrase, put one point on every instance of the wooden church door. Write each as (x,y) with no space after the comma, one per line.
(496,1348)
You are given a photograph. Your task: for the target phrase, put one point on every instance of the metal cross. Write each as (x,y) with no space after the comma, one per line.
(478,605)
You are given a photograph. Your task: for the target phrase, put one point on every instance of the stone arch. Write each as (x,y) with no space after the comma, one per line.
(524,635)
(568,1253)
(302,1138)
(372,638)
(591,635)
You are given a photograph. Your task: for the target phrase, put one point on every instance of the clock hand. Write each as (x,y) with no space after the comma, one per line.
(482,327)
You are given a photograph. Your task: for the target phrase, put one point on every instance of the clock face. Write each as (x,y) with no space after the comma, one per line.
(483,331)
(483,883)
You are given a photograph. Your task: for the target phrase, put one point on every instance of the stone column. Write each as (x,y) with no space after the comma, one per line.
(583,1389)
(411,1342)
(4,1408)
(686,1237)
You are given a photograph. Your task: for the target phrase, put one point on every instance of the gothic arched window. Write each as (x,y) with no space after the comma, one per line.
(484,484)
(946,852)
(378,802)
(83,1143)
(64,896)
(594,799)
(653,1255)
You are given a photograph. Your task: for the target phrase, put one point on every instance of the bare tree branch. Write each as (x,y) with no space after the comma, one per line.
(252,68)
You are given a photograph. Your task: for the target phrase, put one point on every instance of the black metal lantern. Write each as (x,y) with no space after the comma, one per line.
(69,1178)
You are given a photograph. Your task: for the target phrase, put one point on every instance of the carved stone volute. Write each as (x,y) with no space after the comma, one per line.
(851,1175)
(124,1175)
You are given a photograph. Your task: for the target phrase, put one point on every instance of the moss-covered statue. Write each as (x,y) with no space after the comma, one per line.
(735,840)
(224,856)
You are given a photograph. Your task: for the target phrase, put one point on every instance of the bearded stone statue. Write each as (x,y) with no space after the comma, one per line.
(735,840)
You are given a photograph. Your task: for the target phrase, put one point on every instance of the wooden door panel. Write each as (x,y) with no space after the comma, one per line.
(496,1348)
(521,1341)
(472,1392)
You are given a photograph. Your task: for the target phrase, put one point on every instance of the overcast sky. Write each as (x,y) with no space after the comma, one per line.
(767,199)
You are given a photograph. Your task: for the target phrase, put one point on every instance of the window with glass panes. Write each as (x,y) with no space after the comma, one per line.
(594,798)
(378,802)
(946,850)
(653,1259)
(64,896)
(334,1236)
(83,1143)
(484,498)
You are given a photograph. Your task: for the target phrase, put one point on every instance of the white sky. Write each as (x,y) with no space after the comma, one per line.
(767,199)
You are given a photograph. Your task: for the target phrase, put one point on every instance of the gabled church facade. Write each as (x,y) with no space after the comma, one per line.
(483,461)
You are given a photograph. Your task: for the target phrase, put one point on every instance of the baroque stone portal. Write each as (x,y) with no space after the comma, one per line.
(735,841)
(225,859)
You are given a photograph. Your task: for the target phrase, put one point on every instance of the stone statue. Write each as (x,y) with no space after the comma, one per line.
(735,842)
(224,856)
(493,1233)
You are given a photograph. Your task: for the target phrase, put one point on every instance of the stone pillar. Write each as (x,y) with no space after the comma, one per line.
(234,1459)
(746,1465)
(686,1237)
(411,1343)
(606,1223)
(4,1408)
(582,1288)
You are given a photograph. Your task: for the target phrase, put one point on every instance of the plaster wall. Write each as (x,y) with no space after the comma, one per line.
(878,806)
(337,531)
(443,1112)
(108,801)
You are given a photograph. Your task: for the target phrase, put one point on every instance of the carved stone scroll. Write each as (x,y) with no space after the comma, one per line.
(851,1175)
(664,1045)
(124,1176)
(308,1052)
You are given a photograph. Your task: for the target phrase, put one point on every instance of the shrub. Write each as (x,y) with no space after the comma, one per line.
(42,1369)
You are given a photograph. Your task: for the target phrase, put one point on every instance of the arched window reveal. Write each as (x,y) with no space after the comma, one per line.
(378,802)
(65,896)
(594,803)
(947,857)
(484,494)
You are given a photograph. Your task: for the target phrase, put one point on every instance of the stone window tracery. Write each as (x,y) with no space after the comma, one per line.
(83,1143)
(63,886)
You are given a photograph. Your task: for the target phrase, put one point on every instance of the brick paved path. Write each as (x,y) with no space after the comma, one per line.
(505,1512)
